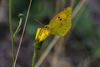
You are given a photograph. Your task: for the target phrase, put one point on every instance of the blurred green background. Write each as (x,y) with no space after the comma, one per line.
(85,34)
(82,46)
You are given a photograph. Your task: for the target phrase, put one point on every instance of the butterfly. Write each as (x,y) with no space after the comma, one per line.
(59,25)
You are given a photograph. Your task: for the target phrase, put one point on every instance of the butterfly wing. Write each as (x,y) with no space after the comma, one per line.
(61,23)
(41,34)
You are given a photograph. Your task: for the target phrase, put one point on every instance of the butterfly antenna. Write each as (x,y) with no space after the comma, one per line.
(39,22)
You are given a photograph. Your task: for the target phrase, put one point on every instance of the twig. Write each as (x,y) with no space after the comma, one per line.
(47,51)
(11,32)
(78,7)
(22,33)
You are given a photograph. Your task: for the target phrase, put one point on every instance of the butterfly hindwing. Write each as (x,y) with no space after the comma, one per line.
(61,23)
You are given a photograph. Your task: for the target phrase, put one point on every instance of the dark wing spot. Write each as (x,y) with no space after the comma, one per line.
(60,19)
(58,16)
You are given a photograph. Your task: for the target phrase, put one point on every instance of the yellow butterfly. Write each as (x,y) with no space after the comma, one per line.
(59,25)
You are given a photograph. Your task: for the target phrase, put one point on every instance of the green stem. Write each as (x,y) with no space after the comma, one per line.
(35,54)
(19,25)
(22,35)
(10,26)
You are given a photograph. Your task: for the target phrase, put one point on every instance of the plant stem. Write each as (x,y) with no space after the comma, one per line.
(46,52)
(26,19)
(35,54)
(19,25)
(10,26)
